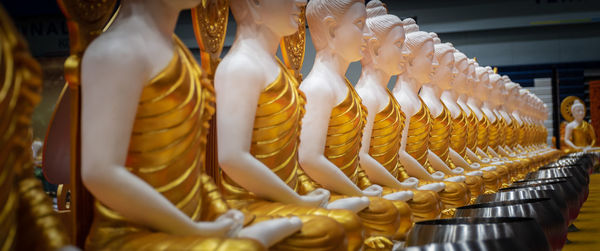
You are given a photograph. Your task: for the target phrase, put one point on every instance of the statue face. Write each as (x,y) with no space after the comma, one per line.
(471,77)
(280,16)
(460,82)
(483,85)
(350,33)
(389,56)
(578,112)
(443,74)
(423,63)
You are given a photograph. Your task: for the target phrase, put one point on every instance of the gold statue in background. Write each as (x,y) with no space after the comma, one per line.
(27,219)
(579,134)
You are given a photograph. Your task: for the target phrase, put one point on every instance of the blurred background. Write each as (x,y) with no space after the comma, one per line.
(549,46)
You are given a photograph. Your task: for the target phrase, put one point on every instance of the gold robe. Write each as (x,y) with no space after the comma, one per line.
(583,135)
(439,143)
(342,148)
(386,138)
(417,145)
(275,141)
(166,150)
(482,126)
(458,140)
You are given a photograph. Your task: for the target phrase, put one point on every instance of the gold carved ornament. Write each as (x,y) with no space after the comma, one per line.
(210,19)
(293,47)
(565,107)
(86,19)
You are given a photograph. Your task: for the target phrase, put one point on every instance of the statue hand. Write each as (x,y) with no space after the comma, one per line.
(438,175)
(373,191)
(354,204)
(410,182)
(458,170)
(232,222)
(474,173)
(401,196)
(456,179)
(271,231)
(436,187)
(317,198)
(489,168)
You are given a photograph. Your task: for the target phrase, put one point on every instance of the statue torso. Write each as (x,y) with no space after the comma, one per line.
(472,130)
(275,135)
(482,132)
(344,134)
(439,136)
(459,134)
(417,140)
(581,134)
(386,137)
(167,144)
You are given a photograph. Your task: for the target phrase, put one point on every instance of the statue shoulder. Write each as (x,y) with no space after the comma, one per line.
(237,68)
(316,88)
(119,56)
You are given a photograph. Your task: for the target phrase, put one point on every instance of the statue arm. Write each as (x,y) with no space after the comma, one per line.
(568,132)
(312,144)
(238,84)
(460,161)
(438,164)
(414,168)
(375,171)
(492,152)
(112,81)
(473,157)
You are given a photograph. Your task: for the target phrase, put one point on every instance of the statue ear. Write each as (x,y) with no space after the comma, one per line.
(373,46)
(253,6)
(330,25)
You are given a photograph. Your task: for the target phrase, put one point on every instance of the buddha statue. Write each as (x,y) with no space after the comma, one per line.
(479,94)
(414,152)
(579,134)
(27,221)
(332,127)
(441,123)
(258,125)
(498,129)
(381,137)
(143,157)
(459,135)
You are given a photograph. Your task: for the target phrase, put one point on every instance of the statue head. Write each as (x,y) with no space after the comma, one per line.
(419,52)
(410,25)
(338,26)
(578,110)
(460,82)
(436,39)
(496,88)
(444,73)
(471,74)
(384,47)
(279,16)
(511,93)
(482,88)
